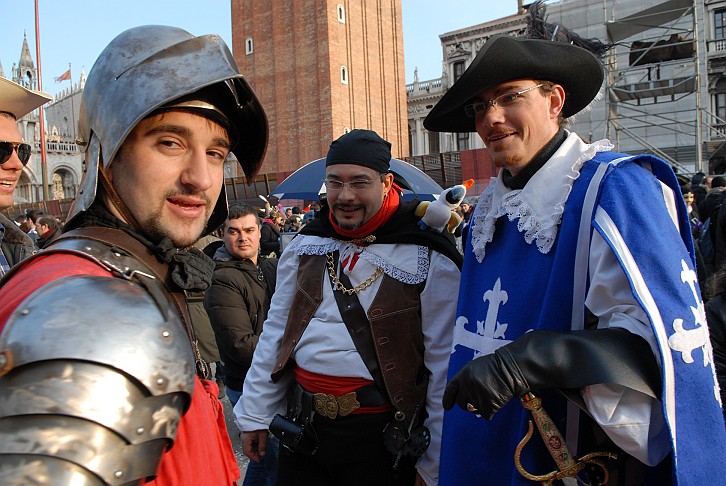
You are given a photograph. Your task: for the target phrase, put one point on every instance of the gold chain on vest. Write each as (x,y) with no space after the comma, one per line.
(367,239)
(361,286)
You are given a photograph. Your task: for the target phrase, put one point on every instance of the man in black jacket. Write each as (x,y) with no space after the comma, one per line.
(237,303)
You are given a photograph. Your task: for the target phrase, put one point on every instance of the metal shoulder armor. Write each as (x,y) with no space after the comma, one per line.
(95,376)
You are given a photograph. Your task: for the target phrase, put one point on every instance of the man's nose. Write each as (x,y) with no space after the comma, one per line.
(197,171)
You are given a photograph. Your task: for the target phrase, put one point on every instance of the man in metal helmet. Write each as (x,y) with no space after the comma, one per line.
(99,367)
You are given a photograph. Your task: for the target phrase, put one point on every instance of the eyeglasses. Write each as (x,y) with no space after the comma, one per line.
(6,151)
(505,101)
(358,185)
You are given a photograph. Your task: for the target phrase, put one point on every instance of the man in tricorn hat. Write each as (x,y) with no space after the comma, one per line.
(578,278)
(101,379)
(15,102)
(357,337)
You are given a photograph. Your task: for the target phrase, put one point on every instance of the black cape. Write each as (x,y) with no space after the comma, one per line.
(402,227)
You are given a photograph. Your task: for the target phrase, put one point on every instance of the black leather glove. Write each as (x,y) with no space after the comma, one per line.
(550,359)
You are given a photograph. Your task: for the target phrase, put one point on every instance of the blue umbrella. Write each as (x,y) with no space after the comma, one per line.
(307,182)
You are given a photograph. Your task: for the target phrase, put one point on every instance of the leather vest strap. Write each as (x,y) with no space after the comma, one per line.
(395,325)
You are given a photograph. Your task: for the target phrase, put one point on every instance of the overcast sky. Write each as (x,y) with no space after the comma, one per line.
(76,31)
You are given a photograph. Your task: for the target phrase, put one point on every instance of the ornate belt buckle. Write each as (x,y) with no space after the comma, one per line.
(347,404)
(331,406)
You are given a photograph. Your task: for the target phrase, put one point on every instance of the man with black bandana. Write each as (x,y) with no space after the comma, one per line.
(578,278)
(99,364)
(365,255)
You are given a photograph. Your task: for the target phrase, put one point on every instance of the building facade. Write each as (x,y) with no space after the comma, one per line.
(320,69)
(64,162)
(665,88)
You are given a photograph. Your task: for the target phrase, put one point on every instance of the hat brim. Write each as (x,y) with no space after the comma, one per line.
(18,100)
(505,58)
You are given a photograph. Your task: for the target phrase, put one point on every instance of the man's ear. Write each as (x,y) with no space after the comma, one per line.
(557,100)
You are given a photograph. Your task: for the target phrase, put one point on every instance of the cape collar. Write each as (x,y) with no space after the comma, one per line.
(539,206)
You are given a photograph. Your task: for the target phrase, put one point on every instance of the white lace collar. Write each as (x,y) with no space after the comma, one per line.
(404,262)
(540,204)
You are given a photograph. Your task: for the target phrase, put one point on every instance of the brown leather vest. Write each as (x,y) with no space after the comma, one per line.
(395,324)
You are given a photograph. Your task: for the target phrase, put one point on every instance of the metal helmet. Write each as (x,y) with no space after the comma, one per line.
(142,70)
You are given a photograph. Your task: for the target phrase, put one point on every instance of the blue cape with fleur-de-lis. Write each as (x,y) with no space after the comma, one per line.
(516,288)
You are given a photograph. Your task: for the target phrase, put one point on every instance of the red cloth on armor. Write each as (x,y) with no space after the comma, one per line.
(202,452)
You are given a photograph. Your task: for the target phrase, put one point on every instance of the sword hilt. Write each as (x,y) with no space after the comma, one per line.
(567,464)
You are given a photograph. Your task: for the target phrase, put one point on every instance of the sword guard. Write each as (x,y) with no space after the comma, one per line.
(568,468)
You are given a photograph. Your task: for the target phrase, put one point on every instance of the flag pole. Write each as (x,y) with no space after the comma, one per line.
(43,151)
(73,109)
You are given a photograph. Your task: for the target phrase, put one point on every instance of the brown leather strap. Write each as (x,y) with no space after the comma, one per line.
(359,327)
(123,240)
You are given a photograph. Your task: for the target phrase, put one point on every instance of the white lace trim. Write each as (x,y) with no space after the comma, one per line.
(422,267)
(313,245)
(536,225)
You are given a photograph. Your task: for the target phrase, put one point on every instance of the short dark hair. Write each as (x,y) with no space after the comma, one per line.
(238,210)
(34,214)
(47,220)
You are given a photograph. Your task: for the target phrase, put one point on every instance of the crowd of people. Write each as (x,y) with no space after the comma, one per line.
(366,350)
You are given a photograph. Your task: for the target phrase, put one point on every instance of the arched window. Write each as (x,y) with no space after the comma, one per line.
(341,14)
(249,46)
(343,74)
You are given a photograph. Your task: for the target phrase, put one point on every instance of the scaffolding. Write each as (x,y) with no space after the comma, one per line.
(654,84)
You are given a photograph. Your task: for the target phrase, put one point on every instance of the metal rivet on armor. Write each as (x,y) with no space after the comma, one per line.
(160,381)
(25,312)
(165,334)
(87,248)
(118,474)
(139,430)
(117,254)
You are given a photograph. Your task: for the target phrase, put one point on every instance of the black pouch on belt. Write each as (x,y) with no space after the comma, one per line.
(295,436)
(295,429)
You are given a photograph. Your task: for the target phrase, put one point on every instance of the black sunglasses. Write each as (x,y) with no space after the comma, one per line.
(23,150)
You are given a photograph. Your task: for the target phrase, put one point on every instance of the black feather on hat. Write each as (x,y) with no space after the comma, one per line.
(548,52)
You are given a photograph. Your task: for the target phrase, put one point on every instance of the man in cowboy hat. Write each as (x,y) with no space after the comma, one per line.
(358,335)
(578,278)
(99,365)
(15,102)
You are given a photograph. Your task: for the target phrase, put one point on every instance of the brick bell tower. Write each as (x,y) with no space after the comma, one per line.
(320,68)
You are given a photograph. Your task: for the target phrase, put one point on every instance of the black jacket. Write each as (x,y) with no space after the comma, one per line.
(716,318)
(237,303)
(15,244)
(269,238)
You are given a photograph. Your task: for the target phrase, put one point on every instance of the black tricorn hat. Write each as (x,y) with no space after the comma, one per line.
(505,58)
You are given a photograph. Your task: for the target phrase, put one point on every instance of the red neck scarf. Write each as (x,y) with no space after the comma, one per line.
(390,205)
